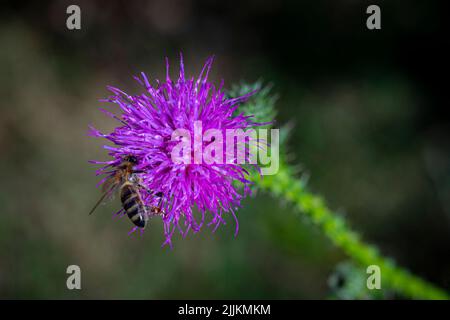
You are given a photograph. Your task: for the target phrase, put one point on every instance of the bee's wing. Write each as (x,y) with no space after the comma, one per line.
(110,183)
(109,187)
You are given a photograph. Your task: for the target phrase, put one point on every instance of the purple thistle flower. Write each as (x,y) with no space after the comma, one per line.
(147,122)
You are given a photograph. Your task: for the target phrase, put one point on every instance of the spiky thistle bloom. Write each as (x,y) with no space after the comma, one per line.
(146,124)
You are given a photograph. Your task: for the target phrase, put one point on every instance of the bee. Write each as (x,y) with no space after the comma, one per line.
(125,180)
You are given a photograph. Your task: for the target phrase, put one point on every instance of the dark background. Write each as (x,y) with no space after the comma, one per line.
(371,130)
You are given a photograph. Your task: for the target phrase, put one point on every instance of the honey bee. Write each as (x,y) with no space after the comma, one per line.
(126,180)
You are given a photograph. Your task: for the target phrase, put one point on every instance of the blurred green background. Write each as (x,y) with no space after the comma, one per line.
(371,130)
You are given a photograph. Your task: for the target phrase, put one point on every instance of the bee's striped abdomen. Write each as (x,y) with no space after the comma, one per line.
(132,204)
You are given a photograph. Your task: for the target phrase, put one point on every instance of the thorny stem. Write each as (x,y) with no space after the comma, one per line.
(285,185)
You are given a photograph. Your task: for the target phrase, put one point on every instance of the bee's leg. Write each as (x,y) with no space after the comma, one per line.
(120,213)
(157,209)
(151,211)
(140,185)
(150,192)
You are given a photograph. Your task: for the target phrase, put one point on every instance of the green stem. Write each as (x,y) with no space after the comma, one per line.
(285,185)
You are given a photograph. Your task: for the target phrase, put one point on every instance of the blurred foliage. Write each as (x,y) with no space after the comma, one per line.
(261,105)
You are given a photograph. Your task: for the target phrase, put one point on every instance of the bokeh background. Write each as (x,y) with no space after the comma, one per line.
(371,130)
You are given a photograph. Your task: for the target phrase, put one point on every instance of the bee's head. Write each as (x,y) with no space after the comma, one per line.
(131,159)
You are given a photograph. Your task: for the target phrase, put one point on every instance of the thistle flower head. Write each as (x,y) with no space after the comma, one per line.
(145,126)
